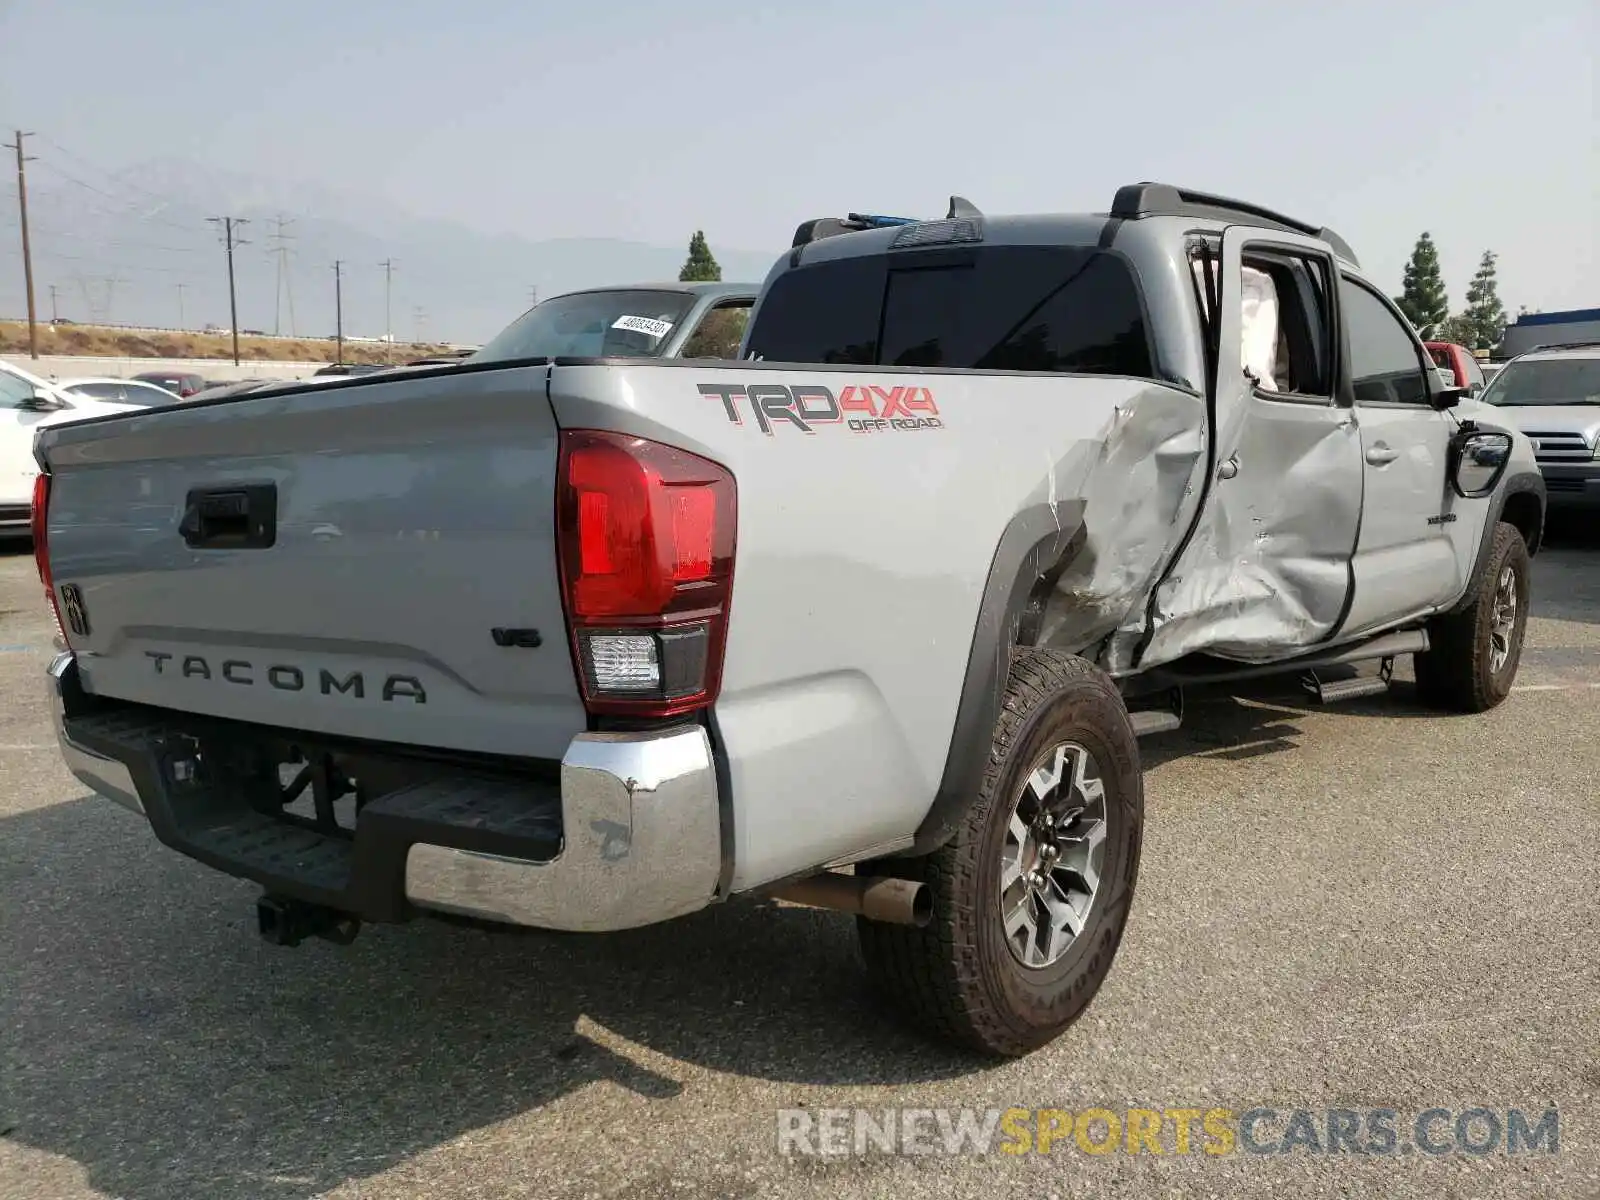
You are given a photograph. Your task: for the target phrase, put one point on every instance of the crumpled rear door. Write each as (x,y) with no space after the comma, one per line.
(1266,572)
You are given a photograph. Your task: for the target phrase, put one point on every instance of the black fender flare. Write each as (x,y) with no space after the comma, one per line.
(1520,483)
(1035,547)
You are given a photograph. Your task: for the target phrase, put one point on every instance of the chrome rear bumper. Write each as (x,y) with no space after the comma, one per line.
(642,843)
(641,835)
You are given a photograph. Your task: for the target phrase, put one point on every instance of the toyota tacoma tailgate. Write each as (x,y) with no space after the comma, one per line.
(373,559)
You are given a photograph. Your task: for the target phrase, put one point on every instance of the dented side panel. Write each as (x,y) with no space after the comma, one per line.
(870,506)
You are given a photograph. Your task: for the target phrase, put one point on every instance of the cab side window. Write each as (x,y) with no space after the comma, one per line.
(1386,364)
(1285,322)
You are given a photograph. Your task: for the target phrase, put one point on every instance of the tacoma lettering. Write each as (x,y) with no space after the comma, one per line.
(287,678)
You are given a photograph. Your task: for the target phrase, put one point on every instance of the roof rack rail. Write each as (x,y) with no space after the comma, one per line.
(1164,200)
(821,227)
(1584,345)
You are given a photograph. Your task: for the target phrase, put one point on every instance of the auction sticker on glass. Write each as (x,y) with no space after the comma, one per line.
(649,325)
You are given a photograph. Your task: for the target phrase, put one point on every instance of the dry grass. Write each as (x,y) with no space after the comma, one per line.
(99,342)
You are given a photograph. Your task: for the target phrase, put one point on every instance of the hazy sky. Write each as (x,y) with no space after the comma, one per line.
(1475,120)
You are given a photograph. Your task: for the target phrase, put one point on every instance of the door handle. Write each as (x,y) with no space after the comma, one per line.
(1380,454)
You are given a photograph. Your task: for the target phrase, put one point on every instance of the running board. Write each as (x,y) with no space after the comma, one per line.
(1146,721)
(1213,670)
(1330,691)
(1154,721)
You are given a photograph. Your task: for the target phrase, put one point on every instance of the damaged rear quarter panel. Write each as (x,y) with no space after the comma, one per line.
(863,557)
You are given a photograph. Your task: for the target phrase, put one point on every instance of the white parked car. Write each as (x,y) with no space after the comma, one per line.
(27,403)
(118,391)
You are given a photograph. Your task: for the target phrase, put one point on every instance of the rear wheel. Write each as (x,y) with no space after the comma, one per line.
(1031,895)
(1472,655)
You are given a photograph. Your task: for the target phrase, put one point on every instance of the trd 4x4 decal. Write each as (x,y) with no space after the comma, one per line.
(864,409)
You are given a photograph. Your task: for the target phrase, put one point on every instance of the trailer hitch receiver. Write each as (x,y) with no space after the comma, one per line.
(286,922)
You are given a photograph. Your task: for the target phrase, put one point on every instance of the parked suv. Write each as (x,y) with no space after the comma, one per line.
(1553,395)
(585,641)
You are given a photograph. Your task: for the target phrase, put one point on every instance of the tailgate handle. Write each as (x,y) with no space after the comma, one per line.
(231,518)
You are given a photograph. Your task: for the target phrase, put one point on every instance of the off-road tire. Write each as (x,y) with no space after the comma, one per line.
(956,978)
(1456,673)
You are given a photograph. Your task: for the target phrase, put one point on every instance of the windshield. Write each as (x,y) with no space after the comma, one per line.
(1547,381)
(632,324)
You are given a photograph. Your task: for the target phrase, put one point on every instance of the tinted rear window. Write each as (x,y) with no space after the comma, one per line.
(1001,308)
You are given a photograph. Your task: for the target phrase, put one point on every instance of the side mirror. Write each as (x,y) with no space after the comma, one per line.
(39,402)
(1449,395)
(1477,460)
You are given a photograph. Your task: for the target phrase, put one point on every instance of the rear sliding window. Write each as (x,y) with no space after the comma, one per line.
(1000,308)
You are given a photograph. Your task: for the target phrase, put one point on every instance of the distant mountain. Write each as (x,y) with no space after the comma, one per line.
(131,248)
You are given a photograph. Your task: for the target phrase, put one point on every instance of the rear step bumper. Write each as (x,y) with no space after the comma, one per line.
(630,836)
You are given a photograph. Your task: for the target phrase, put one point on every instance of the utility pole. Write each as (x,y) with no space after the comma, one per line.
(55,313)
(338,313)
(181,286)
(388,321)
(533,296)
(419,317)
(231,242)
(27,249)
(283,285)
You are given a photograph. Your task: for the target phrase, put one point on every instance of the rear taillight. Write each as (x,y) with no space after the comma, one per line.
(645,535)
(39,526)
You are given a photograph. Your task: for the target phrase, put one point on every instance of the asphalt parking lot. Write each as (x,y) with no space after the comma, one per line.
(1365,906)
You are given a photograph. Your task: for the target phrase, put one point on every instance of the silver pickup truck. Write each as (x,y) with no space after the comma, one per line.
(593,643)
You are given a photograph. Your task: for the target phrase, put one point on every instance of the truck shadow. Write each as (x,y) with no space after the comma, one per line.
(154,1040)
(1261,717)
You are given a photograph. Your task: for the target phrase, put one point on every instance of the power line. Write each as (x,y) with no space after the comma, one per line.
(231,242)
(47,255)
(126,207)
(35,227)
(27,250)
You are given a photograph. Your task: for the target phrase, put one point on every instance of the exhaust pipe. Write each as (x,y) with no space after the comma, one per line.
(892,901)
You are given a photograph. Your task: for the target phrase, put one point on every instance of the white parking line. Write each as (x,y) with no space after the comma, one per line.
(1554,687)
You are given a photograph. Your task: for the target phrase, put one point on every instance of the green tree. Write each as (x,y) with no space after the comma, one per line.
(1424,301)
(700,266)
(1485,313)
(1458,329)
